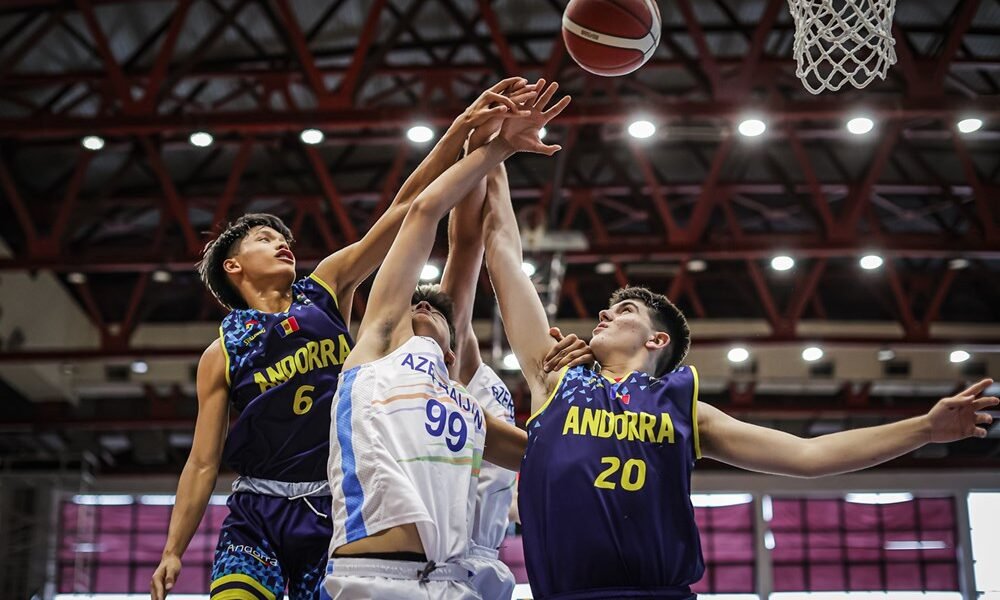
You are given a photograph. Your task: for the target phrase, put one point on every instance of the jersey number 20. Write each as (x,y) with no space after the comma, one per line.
(633,475)
(439,419)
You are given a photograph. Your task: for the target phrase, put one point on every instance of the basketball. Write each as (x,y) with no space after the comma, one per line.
(611,37)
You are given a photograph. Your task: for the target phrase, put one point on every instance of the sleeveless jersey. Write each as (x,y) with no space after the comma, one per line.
(405,447)
(282,371)
(496,485)
(605,487)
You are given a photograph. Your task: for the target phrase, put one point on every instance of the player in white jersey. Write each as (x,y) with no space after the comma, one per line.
(406,443)
(491,578)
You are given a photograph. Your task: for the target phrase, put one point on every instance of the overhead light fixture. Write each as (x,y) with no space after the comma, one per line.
(885,355)
(957,264)
(420,134)
(528,268)
(162,276)
(752,127)
(430,272)
(76,278)
(812,354)
(311,136)
(959,356)
(696,265)
(604,268)
(542,132)
(860,125)
(92,142)
(870,262)
(738,354)
(202,139)
(510,362)
(641,129)
(969,125)
(782,262)
(879,498)
(139,367)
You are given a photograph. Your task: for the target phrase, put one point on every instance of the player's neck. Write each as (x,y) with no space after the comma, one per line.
(618,367)
(267,299)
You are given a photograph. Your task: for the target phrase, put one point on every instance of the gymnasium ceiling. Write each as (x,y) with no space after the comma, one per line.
(144,75)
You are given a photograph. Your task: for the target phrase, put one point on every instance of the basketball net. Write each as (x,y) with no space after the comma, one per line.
(840,41)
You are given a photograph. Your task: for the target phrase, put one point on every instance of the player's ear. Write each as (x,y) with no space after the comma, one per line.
(231,265)
(449,358)
(658,340)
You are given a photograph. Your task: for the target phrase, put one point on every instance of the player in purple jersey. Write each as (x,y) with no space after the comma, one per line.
(276,362)
(605,482)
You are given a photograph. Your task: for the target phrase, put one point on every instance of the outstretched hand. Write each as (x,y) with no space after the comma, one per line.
(570,351)
(492,104)
(521,131)
(518,92)
(958,417)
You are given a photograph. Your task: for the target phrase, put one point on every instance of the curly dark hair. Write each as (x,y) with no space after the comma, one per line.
(226,245)
(441,301)
(666,317)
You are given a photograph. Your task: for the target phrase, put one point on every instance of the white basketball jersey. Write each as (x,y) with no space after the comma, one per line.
(405,447)
(495,490)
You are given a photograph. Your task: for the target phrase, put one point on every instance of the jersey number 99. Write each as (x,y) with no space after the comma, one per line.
(450,425)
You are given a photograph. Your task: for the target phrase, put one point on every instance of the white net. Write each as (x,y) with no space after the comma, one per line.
(840,41)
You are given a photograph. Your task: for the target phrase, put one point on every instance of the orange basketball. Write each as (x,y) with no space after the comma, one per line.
(611,37)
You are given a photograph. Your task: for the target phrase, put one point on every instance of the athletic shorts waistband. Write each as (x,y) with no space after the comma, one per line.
(396,569)
(281,489)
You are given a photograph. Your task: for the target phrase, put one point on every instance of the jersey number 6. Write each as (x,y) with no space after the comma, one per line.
(438,418)
(633,474)
(302,403)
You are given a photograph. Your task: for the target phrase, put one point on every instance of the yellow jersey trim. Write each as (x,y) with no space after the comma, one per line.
(694,414)
(236,594)
(326,287)
(542,408)
(225,352)
(241,578)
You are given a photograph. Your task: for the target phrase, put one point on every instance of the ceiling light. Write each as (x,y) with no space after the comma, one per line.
(870,262)
(139,367)
(528,268)
(202,139)
(879,498)
(752,127)
(641,129)
(696,266)
(812,354)
(782,263)
(510,362)
(885,355)
(430,272)
(542,132)
(860,125)
(957,264)
(92,142)
(311,136)
(76,278)
(969,125)
(420,134)
(604,268)
(959,356)
(161,276)
(738,354)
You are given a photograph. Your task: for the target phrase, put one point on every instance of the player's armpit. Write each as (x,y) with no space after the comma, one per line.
(505,444)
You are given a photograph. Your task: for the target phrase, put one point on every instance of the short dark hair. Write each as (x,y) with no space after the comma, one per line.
(441,301)
(226,245)
(666,317)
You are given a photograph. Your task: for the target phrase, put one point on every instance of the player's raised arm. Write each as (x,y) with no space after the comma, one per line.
(345,269)
(769,451)
(524,316)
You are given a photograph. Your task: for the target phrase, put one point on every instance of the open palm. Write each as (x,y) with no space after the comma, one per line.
(521,131)
(958,417)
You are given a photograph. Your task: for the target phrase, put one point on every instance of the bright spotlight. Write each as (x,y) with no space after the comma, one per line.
(812,354)
(782,263)
(542,132)
(510,362)
(752,127)
(957,264)
(202,139)
(162,276)
(139,367)
(76,278)
(969,125)
(870,262)
(420,134)
(738,354)
(886,354)
(860,125)
(528,268)
(959,356)
(311,136)
(604,268)
(696,265)
(92,142)
(430,272)
(641,129)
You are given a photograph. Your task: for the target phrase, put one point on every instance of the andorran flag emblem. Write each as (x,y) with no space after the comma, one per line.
(288,326)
